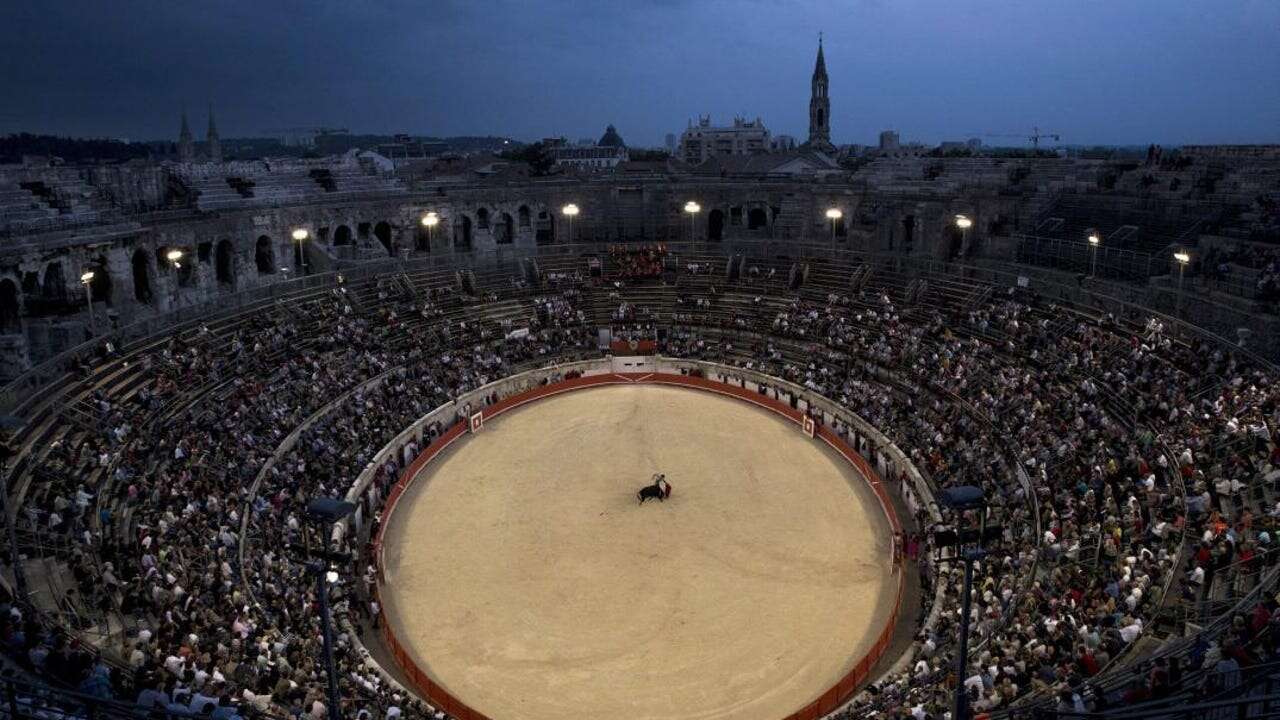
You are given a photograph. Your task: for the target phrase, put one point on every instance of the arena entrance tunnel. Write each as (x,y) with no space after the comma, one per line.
(431,666)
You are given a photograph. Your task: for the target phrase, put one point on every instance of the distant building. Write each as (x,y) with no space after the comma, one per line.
(406,148)
(603,155)
(212,142)
(889,140)
(1247,152)
(187,145)
(793,163)
(744,137)
(782,143)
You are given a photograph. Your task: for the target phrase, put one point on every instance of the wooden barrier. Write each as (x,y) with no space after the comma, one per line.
(826,703)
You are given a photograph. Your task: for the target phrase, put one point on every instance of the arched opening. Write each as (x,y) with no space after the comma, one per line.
(54,286)
(955,241)
(224,263)
(523,215)
(821,117)
(382,231)
(482,219)
(545,232)
(840,230)
(908,232)
(506,229)
(462,233)
(101,282)
(264,256)
(342,236)
(142,277)
(756,219)
(422,238)
(715,225)
(10,312)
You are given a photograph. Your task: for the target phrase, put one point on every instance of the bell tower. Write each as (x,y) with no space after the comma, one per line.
(819,106)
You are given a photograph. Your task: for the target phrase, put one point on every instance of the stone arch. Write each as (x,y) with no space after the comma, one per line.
(482,219)
(30,282)
(382,231)
(264,255)
(10,307)
(757,219)
(715,225)
(142,277)
(523,215)
(224,262)
(462,233)
(101,283)
(506,229)
(545,232)
(54,286)
(342,236)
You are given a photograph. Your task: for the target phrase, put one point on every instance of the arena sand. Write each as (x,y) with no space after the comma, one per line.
(523,576)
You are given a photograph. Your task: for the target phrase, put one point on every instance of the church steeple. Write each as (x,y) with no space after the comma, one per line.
(186,145)
(215,146)
(819,106)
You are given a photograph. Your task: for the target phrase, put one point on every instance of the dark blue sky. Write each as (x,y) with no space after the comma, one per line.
(1098,71)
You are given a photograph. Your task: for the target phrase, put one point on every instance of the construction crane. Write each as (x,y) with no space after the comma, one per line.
(1035,137)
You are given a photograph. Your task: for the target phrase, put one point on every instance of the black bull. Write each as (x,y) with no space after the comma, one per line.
(650,492)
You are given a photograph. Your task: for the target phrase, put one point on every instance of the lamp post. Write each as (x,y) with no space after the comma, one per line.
(300,236)
(1094,242)
(327,512)
(1183,258)
(430,221)
(174,257)
(693,209)
(570,211)
(964,223)
(85,279)
(959,500)
(833,215)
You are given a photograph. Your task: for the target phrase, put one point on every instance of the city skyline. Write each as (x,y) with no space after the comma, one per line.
(1120,74)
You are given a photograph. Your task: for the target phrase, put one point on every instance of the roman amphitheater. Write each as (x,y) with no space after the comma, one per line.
(1000,425)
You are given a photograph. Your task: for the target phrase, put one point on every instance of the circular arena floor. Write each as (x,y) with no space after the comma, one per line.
(523,576)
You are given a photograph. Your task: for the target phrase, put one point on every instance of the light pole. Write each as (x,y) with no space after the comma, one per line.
(959,500)
(833,215)
(327,512)
(300,236)
(174,256)
(964,223)
(430,221)
(570,211)
(85,279)
(693,209)
(1094,242)
(1183,258)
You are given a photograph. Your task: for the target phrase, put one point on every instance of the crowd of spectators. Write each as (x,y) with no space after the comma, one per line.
(1087,411)
(1098,449)
(211,616)
(636,262)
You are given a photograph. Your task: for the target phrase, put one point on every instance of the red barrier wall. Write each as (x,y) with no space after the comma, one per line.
(829,700)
